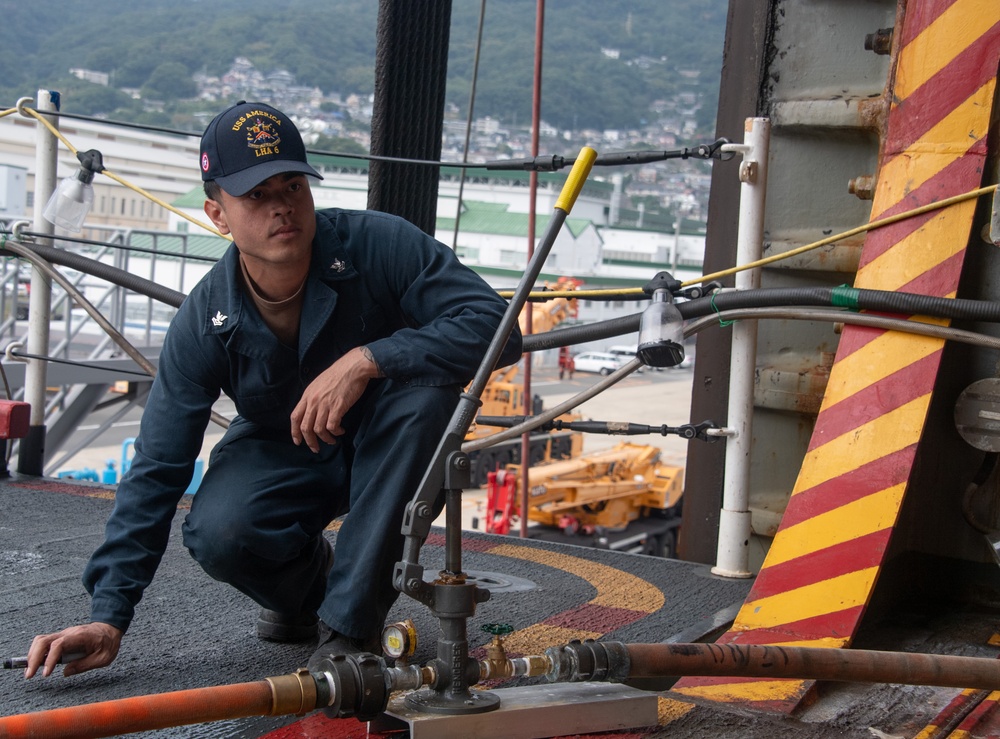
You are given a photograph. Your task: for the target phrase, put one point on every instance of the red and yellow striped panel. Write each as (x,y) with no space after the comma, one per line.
(973,710)
(821,569)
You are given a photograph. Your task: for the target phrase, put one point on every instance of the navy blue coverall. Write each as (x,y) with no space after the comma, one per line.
(257,519)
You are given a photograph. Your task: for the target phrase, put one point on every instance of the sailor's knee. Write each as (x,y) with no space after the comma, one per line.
(219,545)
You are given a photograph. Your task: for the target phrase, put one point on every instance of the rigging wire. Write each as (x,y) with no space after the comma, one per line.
(18,354)
(638,293)
(113,245)
(468,122)
(22,250)
(716,319)
(121,181)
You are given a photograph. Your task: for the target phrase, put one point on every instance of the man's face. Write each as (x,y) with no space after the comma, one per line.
(272,224)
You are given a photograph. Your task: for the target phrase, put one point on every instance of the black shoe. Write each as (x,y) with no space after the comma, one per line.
(333,644)
(278,626)
(286,628)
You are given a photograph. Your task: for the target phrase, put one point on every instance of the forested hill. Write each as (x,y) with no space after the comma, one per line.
(605,61)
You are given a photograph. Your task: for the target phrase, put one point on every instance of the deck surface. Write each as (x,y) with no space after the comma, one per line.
(191,631)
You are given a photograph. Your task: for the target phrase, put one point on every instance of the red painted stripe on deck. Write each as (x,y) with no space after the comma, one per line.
(978,717)
(597,618)
(318,726)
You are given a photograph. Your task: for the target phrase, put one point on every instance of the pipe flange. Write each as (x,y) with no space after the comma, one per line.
(359,686)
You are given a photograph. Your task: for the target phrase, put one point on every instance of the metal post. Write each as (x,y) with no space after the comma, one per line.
(31,452)
(733,554)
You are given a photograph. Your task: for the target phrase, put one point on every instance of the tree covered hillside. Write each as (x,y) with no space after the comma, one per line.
(605,61)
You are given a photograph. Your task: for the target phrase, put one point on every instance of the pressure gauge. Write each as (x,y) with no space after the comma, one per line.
(399,640)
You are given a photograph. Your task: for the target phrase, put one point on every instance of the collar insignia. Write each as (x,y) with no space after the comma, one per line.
(337,266)
(218,319)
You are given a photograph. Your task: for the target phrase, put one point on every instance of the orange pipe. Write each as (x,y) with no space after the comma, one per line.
(143,713)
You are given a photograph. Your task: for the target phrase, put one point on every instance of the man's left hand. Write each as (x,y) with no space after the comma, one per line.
(327,399)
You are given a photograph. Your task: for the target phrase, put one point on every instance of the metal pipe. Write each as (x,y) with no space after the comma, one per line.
(31,452)
(298,693)
(812,663)
(733,555)
(453,531)
(536,118)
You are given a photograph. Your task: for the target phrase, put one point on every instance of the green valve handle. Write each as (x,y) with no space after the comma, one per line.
(497,629)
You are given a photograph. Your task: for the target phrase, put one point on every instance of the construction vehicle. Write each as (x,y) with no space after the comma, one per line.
(503,396)
(620,498)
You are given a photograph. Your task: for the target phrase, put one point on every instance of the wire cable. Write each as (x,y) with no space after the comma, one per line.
(121,181)
(693,327)
(25,252)
(638,293)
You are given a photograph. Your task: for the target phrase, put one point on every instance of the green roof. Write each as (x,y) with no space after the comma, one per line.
(193,199)
(495,218)
(191,245)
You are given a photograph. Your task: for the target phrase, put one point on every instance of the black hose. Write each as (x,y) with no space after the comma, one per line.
(839,297)
(846,297)
(843,297)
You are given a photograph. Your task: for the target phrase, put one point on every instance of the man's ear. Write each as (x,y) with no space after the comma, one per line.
(217,215)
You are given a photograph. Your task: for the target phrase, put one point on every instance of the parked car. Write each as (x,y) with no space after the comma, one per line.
(603,363)
(626,354)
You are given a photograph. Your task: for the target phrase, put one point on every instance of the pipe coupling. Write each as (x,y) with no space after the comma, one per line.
(588,661)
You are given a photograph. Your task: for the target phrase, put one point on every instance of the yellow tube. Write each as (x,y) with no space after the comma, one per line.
(577,176)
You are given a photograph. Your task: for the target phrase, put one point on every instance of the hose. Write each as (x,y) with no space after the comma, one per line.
(839,297)
(119,277)
(786,312)
(812,663)
(37,256)
(297,693)
(143,713)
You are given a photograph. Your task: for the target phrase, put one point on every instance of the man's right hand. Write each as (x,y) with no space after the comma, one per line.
(98,641)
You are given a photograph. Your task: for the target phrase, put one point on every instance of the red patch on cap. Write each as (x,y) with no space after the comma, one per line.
(204,162)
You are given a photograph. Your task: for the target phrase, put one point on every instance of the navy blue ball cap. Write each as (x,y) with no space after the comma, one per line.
(249,142)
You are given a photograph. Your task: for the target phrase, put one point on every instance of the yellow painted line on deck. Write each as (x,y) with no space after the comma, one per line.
(535,639)
(758,690)
(858,518)
(669,710)
(615,588)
